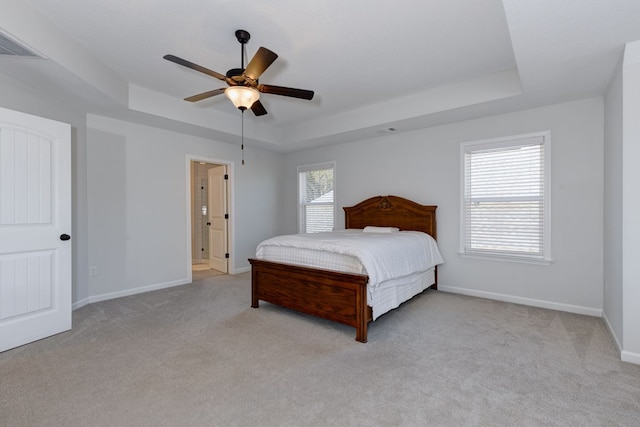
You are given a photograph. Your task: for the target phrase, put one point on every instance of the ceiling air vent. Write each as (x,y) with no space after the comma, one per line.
(11,47)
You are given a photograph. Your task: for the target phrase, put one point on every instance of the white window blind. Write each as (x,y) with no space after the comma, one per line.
(316,186)
(505,198)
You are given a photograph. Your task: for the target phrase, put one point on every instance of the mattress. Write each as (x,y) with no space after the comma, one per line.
(311,258)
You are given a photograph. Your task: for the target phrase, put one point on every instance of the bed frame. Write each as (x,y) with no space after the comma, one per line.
(332,295)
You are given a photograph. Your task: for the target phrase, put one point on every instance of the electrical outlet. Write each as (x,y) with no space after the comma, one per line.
(93,271)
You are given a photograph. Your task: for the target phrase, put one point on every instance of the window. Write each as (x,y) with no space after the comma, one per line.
(505,198)
(316,186)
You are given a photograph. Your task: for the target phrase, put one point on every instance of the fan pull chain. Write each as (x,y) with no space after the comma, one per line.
(242,136)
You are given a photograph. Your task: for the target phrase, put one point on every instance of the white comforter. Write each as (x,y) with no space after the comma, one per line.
(384,256)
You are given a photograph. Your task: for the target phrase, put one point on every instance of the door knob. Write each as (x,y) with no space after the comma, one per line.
(65,237)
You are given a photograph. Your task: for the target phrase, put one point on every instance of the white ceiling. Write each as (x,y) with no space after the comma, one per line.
(372,64)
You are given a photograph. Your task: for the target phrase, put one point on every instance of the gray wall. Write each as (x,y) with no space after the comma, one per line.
(612,240)
(129,198)
(631,203)
(20,97)
(622,205)
(137,204)
(424,166)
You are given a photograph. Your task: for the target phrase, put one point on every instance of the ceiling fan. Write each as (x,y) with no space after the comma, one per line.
(243,86)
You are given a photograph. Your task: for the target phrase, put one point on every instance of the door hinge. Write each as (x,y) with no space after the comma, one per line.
(226,216)
(226,255)
(226,176)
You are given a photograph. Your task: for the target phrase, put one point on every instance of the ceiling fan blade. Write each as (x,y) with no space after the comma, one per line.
(258,108)
(286,91)
(204,95)
(193,66)
(260,62)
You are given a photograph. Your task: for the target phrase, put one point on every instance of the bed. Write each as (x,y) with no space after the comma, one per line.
(337,295)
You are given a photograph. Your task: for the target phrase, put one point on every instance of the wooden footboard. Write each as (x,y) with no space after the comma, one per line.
(332,295)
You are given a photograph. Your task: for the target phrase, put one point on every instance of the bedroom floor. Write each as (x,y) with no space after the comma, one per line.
(199,355)
(200,267)
(201,270)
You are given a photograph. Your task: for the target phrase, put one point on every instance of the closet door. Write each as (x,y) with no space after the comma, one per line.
(218,218)
(35,228)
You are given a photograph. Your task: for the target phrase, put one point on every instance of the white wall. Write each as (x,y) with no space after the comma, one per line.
(20,97)
(132,230)
(631,203)
(137,204)
(424,166)
(612,239)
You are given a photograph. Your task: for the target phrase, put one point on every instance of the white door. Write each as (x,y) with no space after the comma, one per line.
(35,224)
(217,220)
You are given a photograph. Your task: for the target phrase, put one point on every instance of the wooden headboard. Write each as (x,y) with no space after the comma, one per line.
(392,211)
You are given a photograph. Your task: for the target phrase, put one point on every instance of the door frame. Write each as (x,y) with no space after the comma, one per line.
(230,206)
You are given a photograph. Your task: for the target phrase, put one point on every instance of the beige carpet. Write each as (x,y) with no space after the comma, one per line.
(206,273)
(198,355)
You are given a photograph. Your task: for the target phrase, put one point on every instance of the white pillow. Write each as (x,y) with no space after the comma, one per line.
(374,229)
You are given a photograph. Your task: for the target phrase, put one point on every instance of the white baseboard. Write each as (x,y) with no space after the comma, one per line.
(128,292)
(630,357)
(589,311)
(111,295)
(79,304)
(625,356)
(611,331)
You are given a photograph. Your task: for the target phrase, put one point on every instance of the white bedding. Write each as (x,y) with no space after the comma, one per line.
(394,292)
(390,259)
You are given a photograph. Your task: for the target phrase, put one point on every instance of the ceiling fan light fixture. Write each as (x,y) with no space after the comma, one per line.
(243,97)
(243,81)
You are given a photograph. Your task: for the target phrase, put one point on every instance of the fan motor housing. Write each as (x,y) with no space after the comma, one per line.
(236,74)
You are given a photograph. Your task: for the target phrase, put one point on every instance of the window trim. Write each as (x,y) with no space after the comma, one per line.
(508,141)
(311,167)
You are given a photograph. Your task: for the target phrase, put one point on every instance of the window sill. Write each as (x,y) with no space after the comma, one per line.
(506,258)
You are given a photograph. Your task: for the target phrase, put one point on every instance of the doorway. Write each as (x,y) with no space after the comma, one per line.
(209,219)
